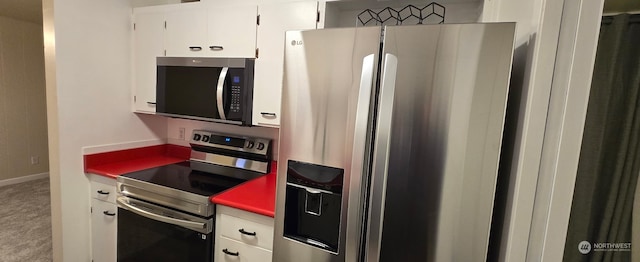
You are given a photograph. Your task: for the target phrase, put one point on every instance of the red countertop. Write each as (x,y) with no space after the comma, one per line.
(257,195)
(113,164)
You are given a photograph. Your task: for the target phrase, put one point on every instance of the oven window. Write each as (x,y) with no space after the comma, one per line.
(144,239)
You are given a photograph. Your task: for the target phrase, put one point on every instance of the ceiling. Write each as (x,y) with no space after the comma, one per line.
(26,10)
(621,6)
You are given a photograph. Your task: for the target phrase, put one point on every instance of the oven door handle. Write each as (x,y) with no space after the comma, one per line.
(219,92)
(196,226)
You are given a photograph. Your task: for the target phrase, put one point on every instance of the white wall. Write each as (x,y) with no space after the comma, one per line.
(87,57)
(346,13)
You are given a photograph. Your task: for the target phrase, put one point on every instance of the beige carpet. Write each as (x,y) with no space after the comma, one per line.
(25,222)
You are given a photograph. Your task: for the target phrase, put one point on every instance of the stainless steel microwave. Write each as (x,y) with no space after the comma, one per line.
(207,89)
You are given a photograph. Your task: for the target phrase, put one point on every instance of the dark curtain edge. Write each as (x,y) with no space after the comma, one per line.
(615,226)
(608,19)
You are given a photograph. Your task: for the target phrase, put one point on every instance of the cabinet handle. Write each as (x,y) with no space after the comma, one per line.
(107,213)
(247,233)
(216,47)
(268,114)
(103,192)
(235,254)
(151,103)
(195,48)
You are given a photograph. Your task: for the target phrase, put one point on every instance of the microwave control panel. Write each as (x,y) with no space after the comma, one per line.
(235,99)
(235,83)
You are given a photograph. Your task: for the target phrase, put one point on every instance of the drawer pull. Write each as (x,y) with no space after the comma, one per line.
(195,48)
(235,254)
(216,47)
(107,213)
(247,233)
(268,114)
(103,192)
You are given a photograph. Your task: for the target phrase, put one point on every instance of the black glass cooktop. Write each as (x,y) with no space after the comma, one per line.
(180,176)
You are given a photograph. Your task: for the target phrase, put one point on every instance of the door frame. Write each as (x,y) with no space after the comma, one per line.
(570,89)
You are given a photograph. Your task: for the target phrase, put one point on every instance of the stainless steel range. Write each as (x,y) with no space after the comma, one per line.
(164,213)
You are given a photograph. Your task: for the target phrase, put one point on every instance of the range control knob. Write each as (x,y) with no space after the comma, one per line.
(250,144)
(196,137)
(260,146)
(205,139)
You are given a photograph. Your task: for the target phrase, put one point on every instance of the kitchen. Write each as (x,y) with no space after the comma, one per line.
(89,98)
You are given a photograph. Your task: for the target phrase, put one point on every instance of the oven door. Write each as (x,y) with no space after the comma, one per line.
(147,232)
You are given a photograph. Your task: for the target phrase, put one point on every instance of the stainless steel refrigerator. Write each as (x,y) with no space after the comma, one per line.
(389,142)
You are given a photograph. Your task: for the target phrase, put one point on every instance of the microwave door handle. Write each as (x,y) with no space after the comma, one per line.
(219,92)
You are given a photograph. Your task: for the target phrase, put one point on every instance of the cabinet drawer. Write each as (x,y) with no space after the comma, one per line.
(228,250)
(103,191)
(246,231)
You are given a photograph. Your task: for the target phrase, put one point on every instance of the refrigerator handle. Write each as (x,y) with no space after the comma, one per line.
(381,158)
(220,93)
(354,204)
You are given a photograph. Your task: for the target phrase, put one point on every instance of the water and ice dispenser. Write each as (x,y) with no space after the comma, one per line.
(313,203)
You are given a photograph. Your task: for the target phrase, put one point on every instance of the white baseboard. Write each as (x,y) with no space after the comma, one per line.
(17,180)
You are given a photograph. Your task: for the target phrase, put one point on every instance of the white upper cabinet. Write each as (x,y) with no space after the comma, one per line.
(231,30)
(275,20)
(186,30)
(147,44)
(217,29)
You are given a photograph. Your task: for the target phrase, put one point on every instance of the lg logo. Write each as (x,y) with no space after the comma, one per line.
(584,247)
(296,42)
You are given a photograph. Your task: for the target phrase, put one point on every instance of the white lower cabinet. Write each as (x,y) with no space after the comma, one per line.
(242,236)
(231,250)
(103,230)
(104,219)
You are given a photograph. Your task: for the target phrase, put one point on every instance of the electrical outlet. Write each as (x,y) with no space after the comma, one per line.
(181,133)
(35,160)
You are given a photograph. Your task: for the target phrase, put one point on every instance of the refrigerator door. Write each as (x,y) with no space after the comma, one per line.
(437,144)
(328,80)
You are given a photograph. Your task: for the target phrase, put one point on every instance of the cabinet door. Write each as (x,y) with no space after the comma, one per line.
(103,231)
(148,44)
(275,20)
(231,30)
(186,30)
